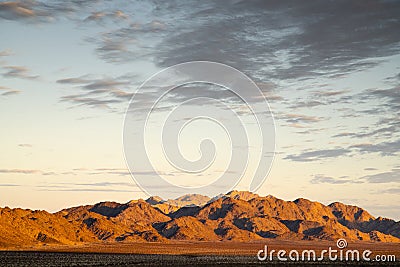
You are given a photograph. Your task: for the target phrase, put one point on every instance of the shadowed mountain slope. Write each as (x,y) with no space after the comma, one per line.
(236,216)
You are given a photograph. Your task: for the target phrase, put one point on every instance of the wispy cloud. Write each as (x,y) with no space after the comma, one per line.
(395,191)
(18,72)
(386,128)
(329,93)
(102,16)
(91,187)
(11,92)
(89,190)
(384,177)
(308,104)
(5,53)
(41,11)
(313,40)
(20,171)
(5,91)
(298,120)
(17,10)
(345,134)
(98,92)
(129,43)
(391,96)
(392,176)
(75,80)
(381,131)
(319,154)
(104,184)
(389,148)
(25,145)
(85,172)
(9,185)
(104,84)
(82,171)
(322,179)
(82,100)
(121,172)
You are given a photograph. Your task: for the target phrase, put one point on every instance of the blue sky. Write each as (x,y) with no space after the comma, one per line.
(330,72)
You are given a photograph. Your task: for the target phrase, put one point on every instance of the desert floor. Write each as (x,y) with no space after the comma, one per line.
(210,248)
(178,253)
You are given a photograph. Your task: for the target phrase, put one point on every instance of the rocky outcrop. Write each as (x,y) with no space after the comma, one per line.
(236,216)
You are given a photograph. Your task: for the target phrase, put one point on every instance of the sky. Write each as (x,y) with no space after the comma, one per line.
(330,71)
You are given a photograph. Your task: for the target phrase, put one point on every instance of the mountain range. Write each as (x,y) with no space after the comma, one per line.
(236,216)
